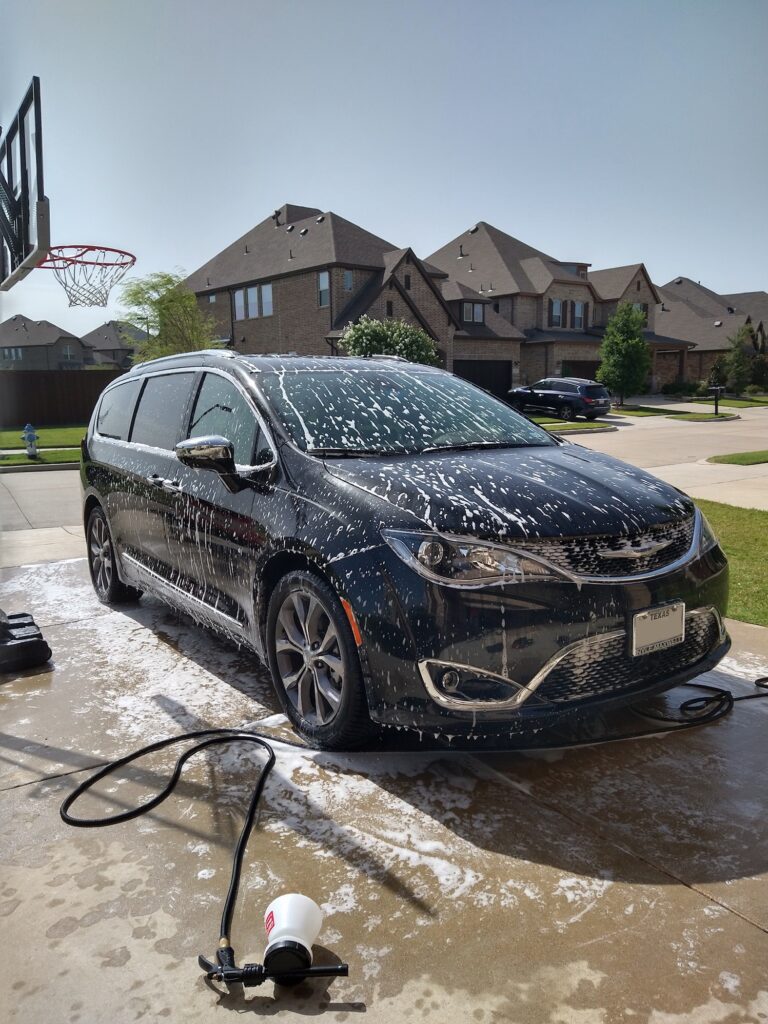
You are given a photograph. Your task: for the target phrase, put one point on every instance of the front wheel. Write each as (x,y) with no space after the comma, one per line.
(314,663)
(102,564)
(565,412)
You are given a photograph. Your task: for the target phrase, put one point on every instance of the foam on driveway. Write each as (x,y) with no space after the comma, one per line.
(624,881)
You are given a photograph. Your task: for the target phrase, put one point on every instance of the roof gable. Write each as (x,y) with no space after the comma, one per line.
(275,248)
(21,332)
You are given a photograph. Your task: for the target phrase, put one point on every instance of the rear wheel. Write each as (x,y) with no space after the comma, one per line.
(565,412)
(314,663)
(102,564)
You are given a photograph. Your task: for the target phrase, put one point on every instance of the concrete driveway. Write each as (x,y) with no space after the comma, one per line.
(617,881)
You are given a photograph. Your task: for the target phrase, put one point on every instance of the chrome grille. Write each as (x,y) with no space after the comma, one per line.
(599,668)
(591,556)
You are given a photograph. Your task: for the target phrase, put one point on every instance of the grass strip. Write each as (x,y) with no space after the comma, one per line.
(743,534)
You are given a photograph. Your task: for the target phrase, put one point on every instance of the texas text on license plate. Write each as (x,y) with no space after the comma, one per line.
(655,629)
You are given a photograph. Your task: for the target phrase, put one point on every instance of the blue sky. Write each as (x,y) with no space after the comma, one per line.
(609,132)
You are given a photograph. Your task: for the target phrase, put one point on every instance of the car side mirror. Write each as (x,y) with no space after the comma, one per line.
(212,452)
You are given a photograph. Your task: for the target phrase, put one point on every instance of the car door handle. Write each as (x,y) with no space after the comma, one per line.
(173,486)
(155,479)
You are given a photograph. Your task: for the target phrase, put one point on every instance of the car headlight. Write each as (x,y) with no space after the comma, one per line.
(707,537)
(464,561)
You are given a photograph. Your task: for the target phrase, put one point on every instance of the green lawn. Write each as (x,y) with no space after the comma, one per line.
(699,417)
(741,458)
(758,402)
(48,437)
(44,458)
(743,534)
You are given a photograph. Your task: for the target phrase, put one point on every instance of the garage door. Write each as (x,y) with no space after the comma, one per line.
(495,375)
(580,368)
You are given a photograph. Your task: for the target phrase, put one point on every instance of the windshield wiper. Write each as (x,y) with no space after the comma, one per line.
(469,445)
(352,453)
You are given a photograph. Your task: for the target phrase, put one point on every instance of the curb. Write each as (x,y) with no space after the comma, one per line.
(585,430)
(723,418)
(39,469)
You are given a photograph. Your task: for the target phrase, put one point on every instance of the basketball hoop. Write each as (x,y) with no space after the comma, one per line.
(87,272)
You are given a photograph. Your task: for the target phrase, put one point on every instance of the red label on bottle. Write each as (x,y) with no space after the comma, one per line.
(269,922)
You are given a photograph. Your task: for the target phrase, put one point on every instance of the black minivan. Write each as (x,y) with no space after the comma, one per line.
(397,545)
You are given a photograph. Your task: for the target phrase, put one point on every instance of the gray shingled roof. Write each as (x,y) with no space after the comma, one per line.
(754,303)
(114,334)
(21,332)
(708,331)
(269,250)
(613,282)
(683,289)
(492,257)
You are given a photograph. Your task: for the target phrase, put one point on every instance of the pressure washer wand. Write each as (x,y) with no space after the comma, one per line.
(256,974)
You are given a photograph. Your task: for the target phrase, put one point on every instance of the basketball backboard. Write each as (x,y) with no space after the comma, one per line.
(24,220)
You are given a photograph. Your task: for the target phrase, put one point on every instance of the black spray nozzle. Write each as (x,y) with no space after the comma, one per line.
(256,974)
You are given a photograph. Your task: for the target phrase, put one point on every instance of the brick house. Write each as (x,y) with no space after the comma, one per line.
(560,307)
(294,281)
(113,343)
(707,320)
(40,345)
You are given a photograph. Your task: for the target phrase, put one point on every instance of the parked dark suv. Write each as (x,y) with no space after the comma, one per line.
(565,397)
(396,544)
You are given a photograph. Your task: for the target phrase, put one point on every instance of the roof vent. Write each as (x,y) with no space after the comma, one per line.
(320,219)
(731,309)
(472,230)
(303,231)
(208,282)
(718,323)
(462,254)
(290,255)
(471,269)
(247,250)
(490,287)
(679,280)
(276,218)
(289,228)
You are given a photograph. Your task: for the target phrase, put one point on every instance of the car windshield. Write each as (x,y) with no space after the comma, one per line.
(379,411)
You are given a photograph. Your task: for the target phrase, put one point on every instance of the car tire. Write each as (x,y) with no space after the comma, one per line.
(102,564)
(566,412)
(314,663)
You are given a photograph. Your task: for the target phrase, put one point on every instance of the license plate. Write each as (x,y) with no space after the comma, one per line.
(655,629)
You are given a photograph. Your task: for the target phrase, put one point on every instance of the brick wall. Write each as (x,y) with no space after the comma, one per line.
(220,310)
(481,349)
(533,363)
(700,364)
(49,357)
(665,369)
(565,353)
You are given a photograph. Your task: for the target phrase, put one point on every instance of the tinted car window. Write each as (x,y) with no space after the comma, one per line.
(595,391)
(221,409)
(383,411)
(564,387)
(160,418)
(116,410)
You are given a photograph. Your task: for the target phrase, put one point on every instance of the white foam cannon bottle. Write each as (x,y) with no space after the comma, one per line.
(292,923)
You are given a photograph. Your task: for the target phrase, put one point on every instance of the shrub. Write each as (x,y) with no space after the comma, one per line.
(753,389)
(702,389)
(370,337)
(680,387)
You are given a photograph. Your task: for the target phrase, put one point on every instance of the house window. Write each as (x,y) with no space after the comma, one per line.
(473,312)
(578,316)
(67,350)
(641,307)
(389,309)
(407,282)
(266,300)
(495,307)
(239,304)
(348,280)
(211,298)
(252,302)
(323,288)
(557,313)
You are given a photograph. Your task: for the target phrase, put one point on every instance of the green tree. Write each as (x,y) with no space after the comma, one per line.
(624,354)
(370,337)
(160,305)
(718,375)
(738,362)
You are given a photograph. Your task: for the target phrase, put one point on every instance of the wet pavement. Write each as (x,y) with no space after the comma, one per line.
(623,881)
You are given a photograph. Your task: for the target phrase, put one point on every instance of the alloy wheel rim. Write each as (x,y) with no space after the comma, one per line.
(100,553)
(309,659)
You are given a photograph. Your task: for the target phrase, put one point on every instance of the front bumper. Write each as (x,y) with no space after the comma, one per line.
(536,651)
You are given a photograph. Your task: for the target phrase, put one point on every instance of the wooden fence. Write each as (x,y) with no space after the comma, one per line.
(50,398)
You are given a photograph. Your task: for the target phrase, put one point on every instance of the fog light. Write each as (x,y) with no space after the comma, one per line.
(430,553)
(450,680)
